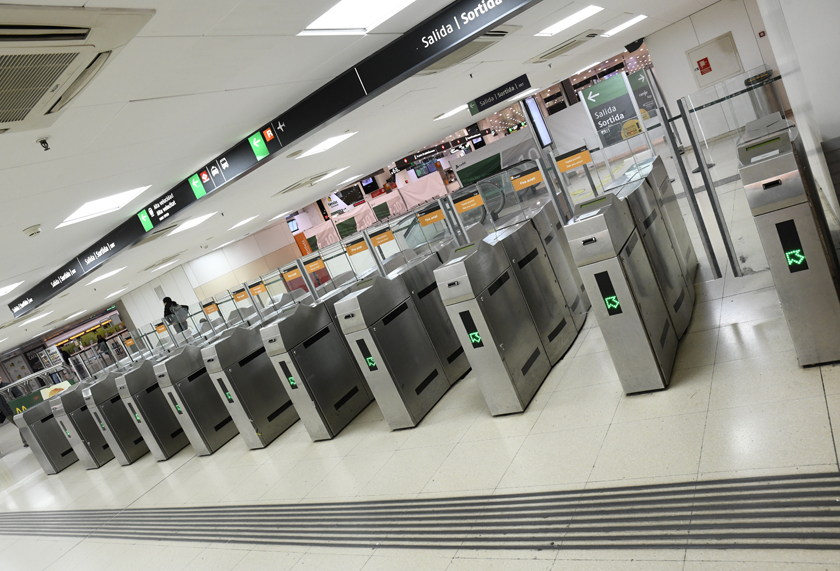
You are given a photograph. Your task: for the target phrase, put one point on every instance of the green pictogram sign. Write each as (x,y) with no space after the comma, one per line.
(145,220)
(258,146)
(197,186)
(612,302)
(475,338)
(795,258)
(371,363)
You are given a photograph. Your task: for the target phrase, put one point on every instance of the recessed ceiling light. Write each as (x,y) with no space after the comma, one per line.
(624,26)
(575,18)
(159,268)
(523,95)
(353,178)
(106,276)
(354,17)
(116,293)
(6,339)
(223,245)
(42,334)
(36,318)
(192,223)
(280,216)
(8,289)
(103,206)
(243,223)
(76,314)
(332,174)
(327,145)
(590,66)
(455,111)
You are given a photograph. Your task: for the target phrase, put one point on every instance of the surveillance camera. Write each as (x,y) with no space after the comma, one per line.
(43,142)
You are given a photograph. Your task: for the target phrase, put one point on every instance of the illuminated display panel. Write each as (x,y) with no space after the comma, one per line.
(608,294)
(792,246)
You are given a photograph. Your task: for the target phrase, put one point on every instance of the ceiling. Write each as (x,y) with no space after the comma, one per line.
(200,77)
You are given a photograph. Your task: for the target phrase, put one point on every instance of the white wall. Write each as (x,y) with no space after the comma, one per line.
(143,304)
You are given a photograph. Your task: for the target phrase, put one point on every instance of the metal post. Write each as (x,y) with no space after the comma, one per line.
(689,194)
(379,266)
(455,220)
(713,198)
(449,227)
(307,280)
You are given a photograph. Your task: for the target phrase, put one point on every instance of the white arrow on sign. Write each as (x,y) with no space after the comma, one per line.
(642,79)
(592,96)
(256,141)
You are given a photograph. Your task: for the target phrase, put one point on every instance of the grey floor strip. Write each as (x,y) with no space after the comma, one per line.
(782,512)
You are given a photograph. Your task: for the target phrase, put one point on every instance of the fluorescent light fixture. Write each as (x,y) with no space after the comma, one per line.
(103,206)
(42,334)
(279,216)
(76,314)
(332,174)
(353,178)
(523,94)
(34,319)
(192,223)
(106,276)
(6,339)
(590,66)
(8,289)
(327,145)
(223,245)
(355,17)
(243,223)
(566,23)
(624,26)
(164,266)
(455,111)
(116,293)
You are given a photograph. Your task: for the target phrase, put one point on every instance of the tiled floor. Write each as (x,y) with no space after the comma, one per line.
(738,405)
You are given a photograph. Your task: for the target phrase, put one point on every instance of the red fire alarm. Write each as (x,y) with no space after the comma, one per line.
(704,66)
(762,33)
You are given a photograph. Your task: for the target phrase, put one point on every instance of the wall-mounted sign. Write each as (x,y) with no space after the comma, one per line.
(500,94)
(611,110)
(527,179)
(356,247)
(468,202)
(643,94)
(573,159)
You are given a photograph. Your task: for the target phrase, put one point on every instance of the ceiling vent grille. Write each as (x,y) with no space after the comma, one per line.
(49,55)
(163,261)
(566,46)
(309,181)
(475,47)
(155,234)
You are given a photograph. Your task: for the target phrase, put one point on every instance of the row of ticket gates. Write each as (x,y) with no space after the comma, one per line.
(507,305)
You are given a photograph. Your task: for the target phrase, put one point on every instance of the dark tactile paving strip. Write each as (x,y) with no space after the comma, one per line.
(780,512)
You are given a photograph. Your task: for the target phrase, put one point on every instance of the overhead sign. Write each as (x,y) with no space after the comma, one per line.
(643,93)
(611,110)
(527,179)
(468,202)
(573,159)
(501,93)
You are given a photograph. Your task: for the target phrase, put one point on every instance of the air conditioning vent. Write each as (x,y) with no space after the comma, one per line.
(309,181)
(155,234)
(49,55)
(163,261)
(478,45)
(566,46)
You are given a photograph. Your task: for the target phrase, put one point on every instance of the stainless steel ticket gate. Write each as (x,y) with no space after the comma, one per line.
(631,312)
(313,360)
(656,240)
(42,433)
(113,419)
(248,385)
(492,320)
(393,350)
(77,423)
(194,401)
(791,222)
(538,283)
(140,390)
(419,278)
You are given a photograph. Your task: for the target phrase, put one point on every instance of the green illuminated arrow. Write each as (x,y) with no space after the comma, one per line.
(612,302)
(475,337)
(370,362)
(795,257)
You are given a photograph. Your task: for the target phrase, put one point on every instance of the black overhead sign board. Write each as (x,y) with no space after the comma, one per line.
(502,93)
(423,45)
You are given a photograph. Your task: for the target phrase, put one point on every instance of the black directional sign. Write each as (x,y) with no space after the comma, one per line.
(643,93)
(612,110)
(500,94)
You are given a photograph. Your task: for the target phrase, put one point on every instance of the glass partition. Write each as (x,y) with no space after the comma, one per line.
(275,286)
(359,255)
(294,281)
(246,304)
(338,264)
(230,314)
(431,222)
(470,207)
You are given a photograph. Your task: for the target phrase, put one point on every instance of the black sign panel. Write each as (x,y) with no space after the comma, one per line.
(104,249)
(54,284)
(792,246)
(608,294)
(502,93)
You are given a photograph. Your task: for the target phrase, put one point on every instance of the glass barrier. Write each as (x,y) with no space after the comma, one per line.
(230,314)
(294,281)
(245,304)
(275,285)
(431,222)
(470,207)
(338,264)
(359,255)
(503,203)
(583,176)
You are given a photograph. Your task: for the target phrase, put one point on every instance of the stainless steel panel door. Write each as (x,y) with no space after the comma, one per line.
(206,409)
(91,435)
(803,280)
(53,442)
(331,377)
(161,421)
(675,222)
(410,356)
(511,326)
(124,429)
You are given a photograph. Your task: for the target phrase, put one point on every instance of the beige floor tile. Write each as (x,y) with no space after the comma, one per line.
(406,563)
(269,560)
(487,427)
(759,305)
(381,438)
(555,458)
(706,315)
(592,343)
(707,291)
(833,402)
(687,393)
(442,426)
(697,349)
(771,435)
(724,558)
(324,562)
(758,566)
(505,564)
(602,565)
(831,379)
(407,472)
(579,408)
(350,476)
(651,448)
(299,481)
(752,282)
(216,560)
(751,339)
(588,370)
(772,377)
(617,556)
(463,394)
(475,465)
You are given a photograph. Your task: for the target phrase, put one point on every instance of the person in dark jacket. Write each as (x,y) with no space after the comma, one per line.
(175,314)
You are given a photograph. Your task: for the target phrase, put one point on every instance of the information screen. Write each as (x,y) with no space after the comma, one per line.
(608,293)
(791,246)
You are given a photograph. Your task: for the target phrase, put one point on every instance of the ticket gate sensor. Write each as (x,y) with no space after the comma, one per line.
(650,225)
(786,207)
(113,419)
(553,236)
(312,358)
(394,351)
(631,312)
(193,399)
(42,433)
(77,424)
(419,278)
(538,283)
(245,379)
(492,320)
(139,389)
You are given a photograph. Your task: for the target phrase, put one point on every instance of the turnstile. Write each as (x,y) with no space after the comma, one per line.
(140,390)
(42,433)
(394,351)
(631,312)
(540,288)
(76,421)
(313,360)
(788,213)
(193,399)
(419,278)
(492,320)
(113,419)
(246,382)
